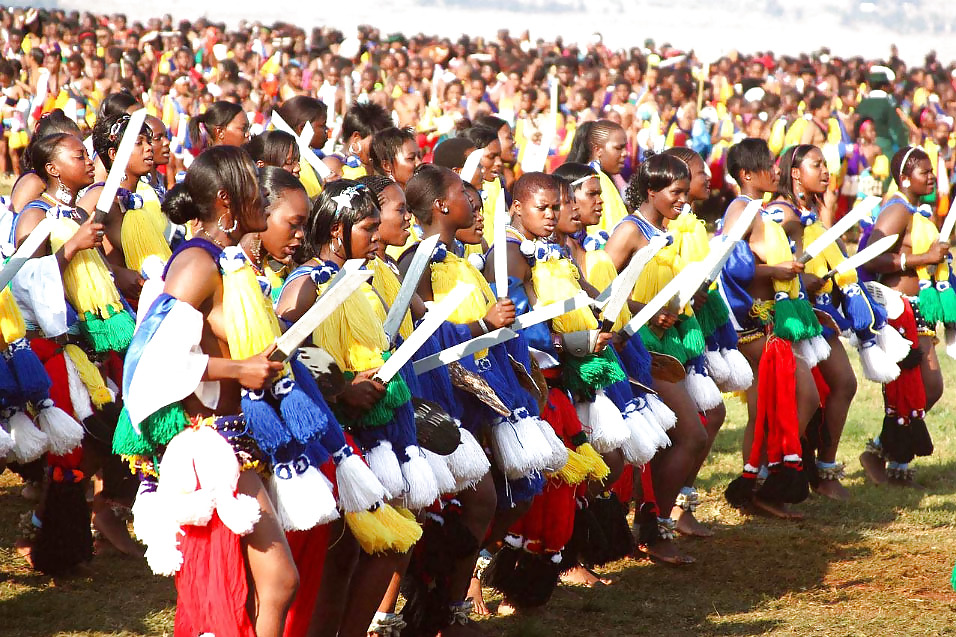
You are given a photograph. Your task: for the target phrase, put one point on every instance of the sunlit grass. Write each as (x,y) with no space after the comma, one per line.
(878,565)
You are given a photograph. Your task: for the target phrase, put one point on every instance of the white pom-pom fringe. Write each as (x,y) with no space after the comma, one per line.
(877,366)
(422,487)
(64,433)
(239,512)
(896,346)
(603,422)
(29,443)
(443,476)
(518,447)
(702,390)
(640,446)
(383,463)
(804,351)
(79,394)
(717,366)
(665,416)
(820,348)
(154,525)
(6,443)
(741,374)
(301,495)
(558,455)
(468,462)
(358,487)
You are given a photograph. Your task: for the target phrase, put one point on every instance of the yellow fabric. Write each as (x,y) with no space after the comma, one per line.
(353,173)
(557,280)
(777,247)
(795,132)
(658,273)
(491,190)
(89,374)
(778,134)
(831,257)
(446,275)
(251,324)
(923,234)
(86,279)
(387,284)
(309,179)
(12,326)
(143,232)
(599,271)
(354,334)
(614,208)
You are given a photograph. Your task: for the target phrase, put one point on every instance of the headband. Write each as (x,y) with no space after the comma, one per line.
(578,182)
(905,158)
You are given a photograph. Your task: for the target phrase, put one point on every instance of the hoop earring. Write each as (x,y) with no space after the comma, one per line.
(352,151)
(235,224)
(335,248)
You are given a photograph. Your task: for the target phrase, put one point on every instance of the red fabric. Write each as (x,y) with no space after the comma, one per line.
(906,394)
(624,487)
(647,486)
(51,355)
(822,388)
(777,424)
(549,523)
(211,585)
(308,551)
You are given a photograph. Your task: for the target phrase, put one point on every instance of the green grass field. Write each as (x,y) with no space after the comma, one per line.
(878,565)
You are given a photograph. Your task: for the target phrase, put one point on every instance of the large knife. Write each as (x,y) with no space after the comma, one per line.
(502,334)
(118,170)
(690,277)
(26,250)
(437,315)
(720,251)
(851,218)
(302,141)
(623,285)
(423,254)
(868,253)
(340,288)
(502,221)
(638,260)
(946,231)
(458,352)
(471,164)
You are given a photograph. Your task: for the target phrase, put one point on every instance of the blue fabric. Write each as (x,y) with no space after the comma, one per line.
(196,242)
(537,336)
(158,311)
(737,274)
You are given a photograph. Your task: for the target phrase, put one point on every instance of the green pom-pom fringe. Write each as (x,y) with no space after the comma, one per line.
(670,343)
(582,375)
(789,320)
(930,305)
(947,301)
(691,337)
(111,334)
(712,314)
(155,432)
(382,412)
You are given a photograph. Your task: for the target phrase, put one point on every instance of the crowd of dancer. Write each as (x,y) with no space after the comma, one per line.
(462,190)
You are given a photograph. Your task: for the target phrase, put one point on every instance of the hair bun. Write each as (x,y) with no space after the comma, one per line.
(179,205)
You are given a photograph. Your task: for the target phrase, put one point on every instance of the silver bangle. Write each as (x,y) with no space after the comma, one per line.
(484,326)
(903,261)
